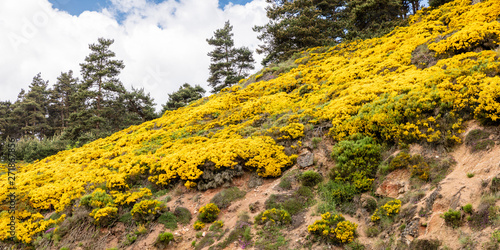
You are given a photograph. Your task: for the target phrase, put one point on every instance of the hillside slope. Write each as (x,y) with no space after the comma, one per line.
(417,85)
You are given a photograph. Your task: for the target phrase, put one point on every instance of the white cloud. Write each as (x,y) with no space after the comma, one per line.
(162,45)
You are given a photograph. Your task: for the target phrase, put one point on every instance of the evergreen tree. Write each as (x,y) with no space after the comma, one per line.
(62,101)
(31,109)
(298,24)
(139,107)
(100,86)
(437,3)
(295,25)
(373,18)
(7,128)
(229,65)
(183,97)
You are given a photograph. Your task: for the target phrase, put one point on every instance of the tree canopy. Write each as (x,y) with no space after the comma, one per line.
(228,64)
(295,25)
(183,97)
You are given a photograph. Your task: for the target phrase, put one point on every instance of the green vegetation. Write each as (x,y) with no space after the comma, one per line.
(355,157)
(310,178)
(315,142)
(270,238)
(169,220)
(452,218)
(208,213)
(229,64)
(478,140)
(224,198)
(294,203)
(275,216)
(298,25)
(183,97)
(467,208)
(183,215)
(164,238)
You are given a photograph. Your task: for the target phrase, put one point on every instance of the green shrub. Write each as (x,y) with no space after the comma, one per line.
(467,208)
(169,220)
(495,184)
(147,210)
(476,135)
(452,218)
(224,198)
(341,191)
(482,145)
(310,178)
(402,160)
(98,199)
(275,216)
(359,154)
(240,232)
(496,235)
(315,142)
(183,215)
(372,231)
(208,213)
(478,140)
(165,238)
(130,238)
(437,3)
(216,225)
(285,183)
(418,244)
(420,168)
(30,149)
(294,203)
(355,245)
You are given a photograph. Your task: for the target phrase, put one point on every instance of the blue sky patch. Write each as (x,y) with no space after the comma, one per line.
(76,7)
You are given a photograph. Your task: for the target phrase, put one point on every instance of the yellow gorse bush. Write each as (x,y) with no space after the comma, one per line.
(27,225)
(390,208)
(100,213)
(147,209)
(369,87)
(334,227)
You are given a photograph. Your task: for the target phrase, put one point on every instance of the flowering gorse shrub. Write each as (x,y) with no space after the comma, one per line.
(98,199)
(275,216)
(334,228)
(147,210)
(208,213)
(128,198)
(104,215)
(390,208)
(198,225)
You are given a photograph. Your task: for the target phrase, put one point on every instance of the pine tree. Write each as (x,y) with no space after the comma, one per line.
(183,97)
(7,127)
(229,65)
(100,86)
(62,101)
(139,107)
(31,109)
(373,18)
(299,24)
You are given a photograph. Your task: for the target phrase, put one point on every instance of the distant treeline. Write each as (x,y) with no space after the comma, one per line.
(74,111)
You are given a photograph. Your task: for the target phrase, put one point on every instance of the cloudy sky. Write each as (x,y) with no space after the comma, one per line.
(161,42)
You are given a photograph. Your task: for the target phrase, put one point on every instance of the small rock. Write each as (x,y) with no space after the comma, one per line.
(204,233)
(305,159)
